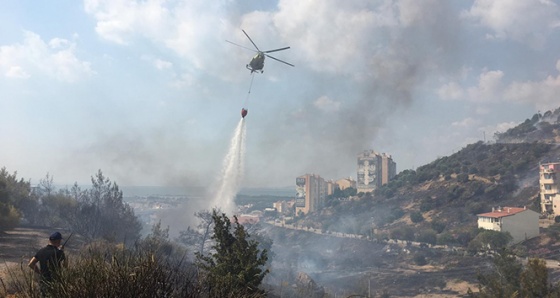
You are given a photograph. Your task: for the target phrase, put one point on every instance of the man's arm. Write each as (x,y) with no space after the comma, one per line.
(33,265)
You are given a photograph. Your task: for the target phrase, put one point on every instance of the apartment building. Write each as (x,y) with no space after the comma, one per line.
(374,170)
(311,191)
(549,183)
(345,183)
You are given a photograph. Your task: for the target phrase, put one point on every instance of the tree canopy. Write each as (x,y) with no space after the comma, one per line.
(235,266)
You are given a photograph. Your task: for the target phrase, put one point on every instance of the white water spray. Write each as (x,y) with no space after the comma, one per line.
(232,171)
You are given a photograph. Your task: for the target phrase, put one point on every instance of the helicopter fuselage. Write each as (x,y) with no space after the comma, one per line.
(257,63)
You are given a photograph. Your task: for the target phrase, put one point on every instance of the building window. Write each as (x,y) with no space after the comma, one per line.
(548,186)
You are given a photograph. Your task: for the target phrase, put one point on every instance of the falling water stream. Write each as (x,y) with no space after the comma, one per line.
(232,171)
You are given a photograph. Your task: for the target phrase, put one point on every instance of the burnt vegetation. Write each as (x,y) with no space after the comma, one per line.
(444,196)
(115,261)
(436,204)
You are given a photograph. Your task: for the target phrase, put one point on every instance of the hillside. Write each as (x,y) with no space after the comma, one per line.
(440,200)
(436,204)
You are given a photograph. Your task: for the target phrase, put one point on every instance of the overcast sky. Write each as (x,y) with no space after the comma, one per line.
(150,92)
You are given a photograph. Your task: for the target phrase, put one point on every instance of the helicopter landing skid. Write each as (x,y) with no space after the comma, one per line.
(253,70)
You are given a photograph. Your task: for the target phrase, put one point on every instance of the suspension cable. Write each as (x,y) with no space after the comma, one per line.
(250,86)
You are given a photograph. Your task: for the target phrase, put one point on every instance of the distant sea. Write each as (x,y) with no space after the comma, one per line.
(197,192)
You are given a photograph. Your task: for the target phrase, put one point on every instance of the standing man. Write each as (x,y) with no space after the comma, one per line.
(50,258)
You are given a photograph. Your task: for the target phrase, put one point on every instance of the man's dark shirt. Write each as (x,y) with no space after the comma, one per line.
(49,258)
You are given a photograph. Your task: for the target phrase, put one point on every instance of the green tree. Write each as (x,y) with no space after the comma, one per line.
(403,233)
(235,267)
(416,217)
(158,243)
(15,200)
(508,278)
(438,226)
(9,216)
(104,214)
(199,236)
(534,279)
(427,236)
(490,240)
(502,280)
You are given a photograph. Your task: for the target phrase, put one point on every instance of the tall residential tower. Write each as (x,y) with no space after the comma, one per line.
(311,191)
(374,170)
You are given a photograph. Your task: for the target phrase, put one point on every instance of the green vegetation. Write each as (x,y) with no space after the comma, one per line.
(99,212)
(156,267)
(103,269)
(416,217)
(453,188)
(500,161)
(507,277)
(234,269)
(15,201)
(487,239)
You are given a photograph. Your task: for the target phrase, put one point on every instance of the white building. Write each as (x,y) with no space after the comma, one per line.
(549,182)
(521,223)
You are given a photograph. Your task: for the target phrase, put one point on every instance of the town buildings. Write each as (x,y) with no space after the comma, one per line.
(345,183)
(311,191)
(521,223)
(549,183)
(374,170)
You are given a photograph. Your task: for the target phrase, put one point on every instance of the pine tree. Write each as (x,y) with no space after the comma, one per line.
(235,266)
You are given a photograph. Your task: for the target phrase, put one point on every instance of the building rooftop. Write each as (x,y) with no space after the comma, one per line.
(502,212)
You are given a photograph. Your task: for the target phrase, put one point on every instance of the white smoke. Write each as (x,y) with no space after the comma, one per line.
(232,171)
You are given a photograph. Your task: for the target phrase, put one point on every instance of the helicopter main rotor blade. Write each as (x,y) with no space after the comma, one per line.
(233,43)
(276,50)
(251,40)
(279,60)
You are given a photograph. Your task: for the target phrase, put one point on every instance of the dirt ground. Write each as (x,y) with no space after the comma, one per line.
(18,246)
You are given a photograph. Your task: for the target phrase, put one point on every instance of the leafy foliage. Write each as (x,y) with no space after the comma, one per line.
(105,215)
(540,127)
(234,269)
(507,277)
(108,271)
(488,239)
(15,201)
(99,212)
(416,217)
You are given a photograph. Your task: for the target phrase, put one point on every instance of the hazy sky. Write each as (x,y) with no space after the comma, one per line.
(150,93)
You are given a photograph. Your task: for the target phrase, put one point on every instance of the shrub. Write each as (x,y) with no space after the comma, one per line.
(427,236)
(420,260)
(438,226)
(103,271)
(403,233)
(416,217)
(446,239)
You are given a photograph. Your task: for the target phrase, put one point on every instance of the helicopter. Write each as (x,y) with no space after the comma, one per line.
(257,62)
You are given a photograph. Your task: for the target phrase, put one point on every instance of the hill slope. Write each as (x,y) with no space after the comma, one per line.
(444,196)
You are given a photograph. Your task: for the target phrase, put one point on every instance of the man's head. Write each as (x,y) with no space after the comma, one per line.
(55,237)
